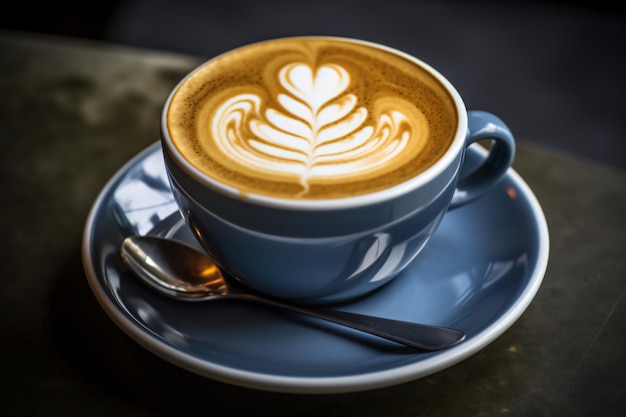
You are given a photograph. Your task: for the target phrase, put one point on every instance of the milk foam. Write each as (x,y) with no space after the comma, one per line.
(311,118)
(320,132)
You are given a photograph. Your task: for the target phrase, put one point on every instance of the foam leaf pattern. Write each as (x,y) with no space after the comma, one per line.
(320,131)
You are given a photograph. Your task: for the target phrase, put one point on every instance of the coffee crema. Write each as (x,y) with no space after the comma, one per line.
(311,118)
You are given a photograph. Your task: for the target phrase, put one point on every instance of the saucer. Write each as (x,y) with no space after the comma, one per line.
(479,273)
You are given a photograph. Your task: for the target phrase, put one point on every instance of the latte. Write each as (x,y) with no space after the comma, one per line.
(311,118)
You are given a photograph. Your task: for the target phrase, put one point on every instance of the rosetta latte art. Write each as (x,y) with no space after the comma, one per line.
(321,132)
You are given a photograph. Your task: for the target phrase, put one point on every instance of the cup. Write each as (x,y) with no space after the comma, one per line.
(315,169)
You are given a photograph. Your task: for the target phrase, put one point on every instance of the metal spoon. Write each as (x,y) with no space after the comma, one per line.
(180,271)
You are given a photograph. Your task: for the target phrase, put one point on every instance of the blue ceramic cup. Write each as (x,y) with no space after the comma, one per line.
(328,250)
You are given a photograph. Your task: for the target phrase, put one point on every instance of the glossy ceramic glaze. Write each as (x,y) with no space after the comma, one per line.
(479,273)
(324,251)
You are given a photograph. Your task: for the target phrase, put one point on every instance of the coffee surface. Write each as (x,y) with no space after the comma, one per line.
(311,118)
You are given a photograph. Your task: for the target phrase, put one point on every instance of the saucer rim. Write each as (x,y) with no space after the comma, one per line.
(319,385)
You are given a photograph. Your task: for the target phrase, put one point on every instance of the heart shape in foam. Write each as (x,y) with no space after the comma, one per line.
(314,89)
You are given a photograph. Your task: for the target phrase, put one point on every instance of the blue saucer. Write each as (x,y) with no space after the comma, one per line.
(479,273)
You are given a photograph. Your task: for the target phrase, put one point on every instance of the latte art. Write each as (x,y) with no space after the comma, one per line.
(311,118)
(319,132)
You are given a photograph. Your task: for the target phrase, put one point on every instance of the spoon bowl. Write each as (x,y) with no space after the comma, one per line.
(179,271)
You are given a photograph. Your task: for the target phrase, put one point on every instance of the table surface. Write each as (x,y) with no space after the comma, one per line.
(74,111)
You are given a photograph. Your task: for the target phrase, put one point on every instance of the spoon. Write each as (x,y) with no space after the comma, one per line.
(184,273)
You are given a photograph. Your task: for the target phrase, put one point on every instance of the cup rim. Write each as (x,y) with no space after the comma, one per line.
(375,197)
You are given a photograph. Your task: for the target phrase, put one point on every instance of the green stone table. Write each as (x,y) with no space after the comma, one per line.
(73,112)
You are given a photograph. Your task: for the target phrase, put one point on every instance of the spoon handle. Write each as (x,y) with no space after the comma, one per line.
(420,336)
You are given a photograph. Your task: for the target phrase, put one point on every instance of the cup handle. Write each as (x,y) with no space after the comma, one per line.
(484,125)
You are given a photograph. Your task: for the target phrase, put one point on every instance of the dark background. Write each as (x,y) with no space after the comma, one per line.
(554,71)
